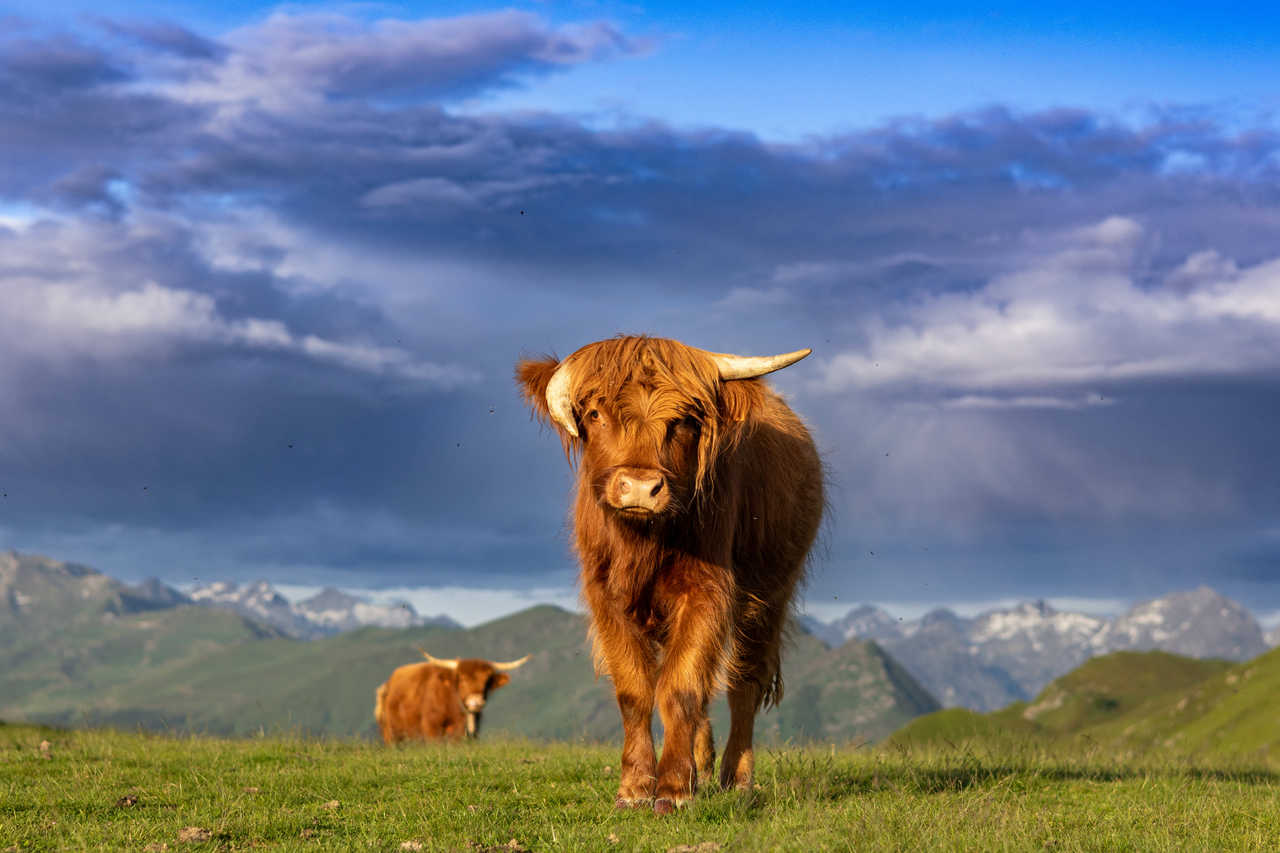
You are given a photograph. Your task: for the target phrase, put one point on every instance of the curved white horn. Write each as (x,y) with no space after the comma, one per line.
(560,399)
(447,664)
(751,366)
(513,664)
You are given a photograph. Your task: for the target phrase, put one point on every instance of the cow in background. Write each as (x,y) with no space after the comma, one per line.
(699,493)
(438,698)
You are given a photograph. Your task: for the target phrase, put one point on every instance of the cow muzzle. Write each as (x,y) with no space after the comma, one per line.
(637,491)
(474,702)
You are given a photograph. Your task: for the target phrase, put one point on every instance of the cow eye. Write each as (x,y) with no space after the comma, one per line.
(688,425)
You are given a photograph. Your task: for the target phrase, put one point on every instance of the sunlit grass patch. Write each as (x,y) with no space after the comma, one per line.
(111,790)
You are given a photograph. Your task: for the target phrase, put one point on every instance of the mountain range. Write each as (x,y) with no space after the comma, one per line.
(80,648)
(329,611)
(983,662)
(1007,655)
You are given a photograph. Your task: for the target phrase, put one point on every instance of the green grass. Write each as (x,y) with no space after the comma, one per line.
(280,793)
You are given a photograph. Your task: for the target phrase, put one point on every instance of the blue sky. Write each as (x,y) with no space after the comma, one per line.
(266,271)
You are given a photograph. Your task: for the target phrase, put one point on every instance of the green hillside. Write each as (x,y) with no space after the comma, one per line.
(1112,686)
(1232,712)
(205,670)
(1133,702)
(70,637)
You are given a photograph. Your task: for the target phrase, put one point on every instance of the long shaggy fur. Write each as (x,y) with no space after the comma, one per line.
(697,595)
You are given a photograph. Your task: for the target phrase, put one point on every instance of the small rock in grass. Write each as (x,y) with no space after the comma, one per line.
(512,845)
(332,804)
(45,746)
(608,769)
(411,845)
(704,847)
(194,833)
(252,789)
(155,847)
(612,838)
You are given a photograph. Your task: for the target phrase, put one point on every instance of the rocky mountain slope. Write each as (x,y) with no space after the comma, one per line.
(1002,656)
(327,612)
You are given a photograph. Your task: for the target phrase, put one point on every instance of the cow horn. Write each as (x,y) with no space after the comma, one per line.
(560,398)
(447,664)
(513,664)
(751,366)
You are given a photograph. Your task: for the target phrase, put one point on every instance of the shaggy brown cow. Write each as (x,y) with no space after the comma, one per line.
(699,493)
(438,698)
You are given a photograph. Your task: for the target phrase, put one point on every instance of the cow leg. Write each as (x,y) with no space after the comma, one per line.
(738,764)
(756,682)
(695,648)
(629,658)
(704,749)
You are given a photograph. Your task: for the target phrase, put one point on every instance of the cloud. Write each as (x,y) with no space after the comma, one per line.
(1075,315)
(1026,401)
(62,300)
(166,37)
(290,60)
(38,66)
(214,248)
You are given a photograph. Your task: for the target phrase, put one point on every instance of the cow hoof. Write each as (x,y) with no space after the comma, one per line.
(666,805)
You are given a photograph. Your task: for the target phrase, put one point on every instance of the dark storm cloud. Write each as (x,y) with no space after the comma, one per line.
(40,66)
(276,319)
(166,37)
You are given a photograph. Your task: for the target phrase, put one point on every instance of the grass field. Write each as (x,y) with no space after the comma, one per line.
(104,790)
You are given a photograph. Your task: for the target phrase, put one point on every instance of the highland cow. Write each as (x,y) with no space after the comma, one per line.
(440,698)
(698,496)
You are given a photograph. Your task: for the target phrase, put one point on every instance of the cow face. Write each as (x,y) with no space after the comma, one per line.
(648,417)
(640,447)
(475,679)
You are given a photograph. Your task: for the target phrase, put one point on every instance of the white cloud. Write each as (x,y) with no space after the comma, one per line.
(1027,401)
(67,291)
(294,61)
(1076,315)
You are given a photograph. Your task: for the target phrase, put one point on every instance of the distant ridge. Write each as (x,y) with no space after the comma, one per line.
(1008,655)
(329,611)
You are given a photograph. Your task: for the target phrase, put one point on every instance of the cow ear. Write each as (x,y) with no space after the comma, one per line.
(740,399)
(533,376)
(499,679)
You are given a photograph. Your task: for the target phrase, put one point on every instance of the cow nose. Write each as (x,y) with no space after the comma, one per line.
(474,702)
(640,490)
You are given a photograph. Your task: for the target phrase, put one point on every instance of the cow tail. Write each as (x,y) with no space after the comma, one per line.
(773,691)
(380,703)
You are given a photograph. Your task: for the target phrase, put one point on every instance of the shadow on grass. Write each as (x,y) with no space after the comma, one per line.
(828,778)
